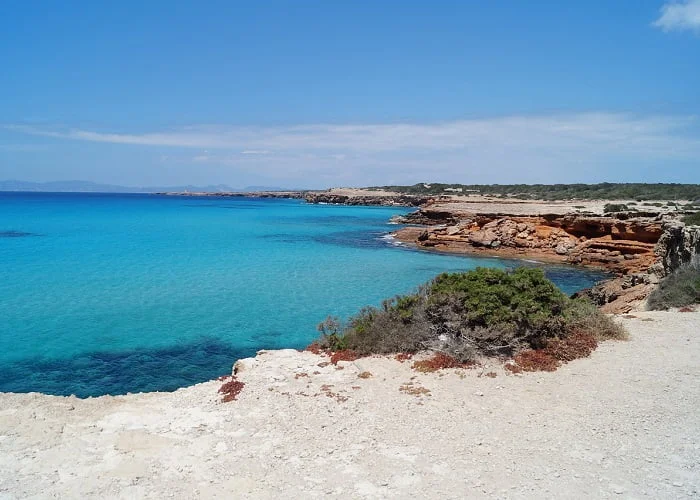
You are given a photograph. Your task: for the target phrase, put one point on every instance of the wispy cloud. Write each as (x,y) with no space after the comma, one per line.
(506,149)
(684,15)
(643,134)
(255,152)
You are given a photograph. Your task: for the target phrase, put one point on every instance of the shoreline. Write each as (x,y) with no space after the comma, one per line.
(533,259)
(406,238)
(599,426)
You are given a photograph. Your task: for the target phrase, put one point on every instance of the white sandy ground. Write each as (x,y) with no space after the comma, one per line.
(624,423)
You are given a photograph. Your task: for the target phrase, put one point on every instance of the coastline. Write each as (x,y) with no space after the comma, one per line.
(602,426)
(408,235)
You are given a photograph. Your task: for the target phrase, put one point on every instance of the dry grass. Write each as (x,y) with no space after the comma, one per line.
(414,390)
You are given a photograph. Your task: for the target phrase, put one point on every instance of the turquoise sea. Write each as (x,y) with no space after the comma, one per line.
(109,294)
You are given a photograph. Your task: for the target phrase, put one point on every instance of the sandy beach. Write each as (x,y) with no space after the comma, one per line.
(620,424)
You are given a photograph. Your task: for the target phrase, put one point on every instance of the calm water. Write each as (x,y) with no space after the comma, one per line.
(108,294)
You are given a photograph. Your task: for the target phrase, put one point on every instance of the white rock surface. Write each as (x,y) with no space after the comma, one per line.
(621,424)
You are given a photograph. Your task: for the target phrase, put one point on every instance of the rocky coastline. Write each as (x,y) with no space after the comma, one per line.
(638,248)
(336,196)
(375,427)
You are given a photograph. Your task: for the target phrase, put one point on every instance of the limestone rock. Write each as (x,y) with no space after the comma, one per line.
(679,244)
(483,237)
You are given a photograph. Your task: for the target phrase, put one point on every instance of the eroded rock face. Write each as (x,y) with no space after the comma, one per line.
(639,250)
(644,230)
(621,246)
(679,244)
(620,295)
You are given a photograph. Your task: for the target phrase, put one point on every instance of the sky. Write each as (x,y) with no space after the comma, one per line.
(315,94)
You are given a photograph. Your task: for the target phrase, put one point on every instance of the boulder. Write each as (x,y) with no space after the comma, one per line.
(483,237)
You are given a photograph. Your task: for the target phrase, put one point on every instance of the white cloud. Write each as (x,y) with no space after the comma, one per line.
(679,16)
(645,134)
(255,152)
(549,148)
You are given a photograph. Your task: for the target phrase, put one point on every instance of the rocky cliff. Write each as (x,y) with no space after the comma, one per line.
(678,245)
(620,246)
(640,250)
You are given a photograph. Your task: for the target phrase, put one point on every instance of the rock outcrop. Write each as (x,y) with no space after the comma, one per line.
(621,295)
(678,245)
(398,200)
(639,250)
(620,246)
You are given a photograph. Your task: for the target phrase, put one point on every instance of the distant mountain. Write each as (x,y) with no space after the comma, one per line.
(92,187)
(265,188)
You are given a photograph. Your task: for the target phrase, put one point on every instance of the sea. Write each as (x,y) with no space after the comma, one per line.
(119,293)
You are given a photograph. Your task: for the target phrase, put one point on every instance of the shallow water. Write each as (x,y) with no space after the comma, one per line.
(108,294)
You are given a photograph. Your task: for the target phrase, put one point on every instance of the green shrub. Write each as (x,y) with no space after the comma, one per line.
(602,191)
(680,289)
(485,311)
(692,219)
(614,207)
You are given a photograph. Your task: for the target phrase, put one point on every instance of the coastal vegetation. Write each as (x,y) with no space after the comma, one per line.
(616,207)
(692,219)
(601,191)
(486,311)
(679,289)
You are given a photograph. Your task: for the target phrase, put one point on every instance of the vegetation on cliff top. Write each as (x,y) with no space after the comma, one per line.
(480,312)
(602,191)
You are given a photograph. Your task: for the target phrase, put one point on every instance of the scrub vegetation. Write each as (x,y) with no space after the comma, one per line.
(602,191)
(462,316)
(679,289)
(692,219)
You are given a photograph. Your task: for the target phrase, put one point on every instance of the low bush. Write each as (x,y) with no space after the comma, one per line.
(575,346)
(614,207)
(462,315)
(679,289)
(692,219)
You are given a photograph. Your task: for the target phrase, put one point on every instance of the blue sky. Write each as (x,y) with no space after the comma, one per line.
(319,93)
